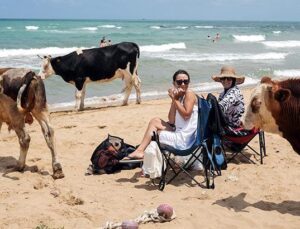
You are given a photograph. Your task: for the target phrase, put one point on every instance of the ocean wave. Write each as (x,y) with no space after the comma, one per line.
(155,27)
(249,38)
(204,26)
(218,56)
(162,48)
(31,27)
(287,73)
(40,51)
(89,28)
(110,27)
(181,27)
(59,31)
(276,32)
(282,44)
(8,27)
(116,99)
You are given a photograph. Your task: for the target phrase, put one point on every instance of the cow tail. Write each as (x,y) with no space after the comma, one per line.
(138,51)
(19,98)
(28,78)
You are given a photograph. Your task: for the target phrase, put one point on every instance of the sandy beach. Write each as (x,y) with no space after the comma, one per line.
(246,195)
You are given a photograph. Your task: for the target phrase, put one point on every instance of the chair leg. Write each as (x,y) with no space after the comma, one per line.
(264,143)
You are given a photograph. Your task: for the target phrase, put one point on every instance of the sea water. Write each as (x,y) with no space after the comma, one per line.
(253,48)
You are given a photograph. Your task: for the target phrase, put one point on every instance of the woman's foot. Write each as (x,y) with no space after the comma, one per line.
(137,154)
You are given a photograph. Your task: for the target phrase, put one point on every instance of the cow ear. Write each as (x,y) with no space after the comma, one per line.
(265,79)
(282,95)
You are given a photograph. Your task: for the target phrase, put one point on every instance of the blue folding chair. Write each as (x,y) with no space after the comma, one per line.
(197,152)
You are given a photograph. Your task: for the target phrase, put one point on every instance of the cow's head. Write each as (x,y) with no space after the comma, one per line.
(46,68)
(264,108)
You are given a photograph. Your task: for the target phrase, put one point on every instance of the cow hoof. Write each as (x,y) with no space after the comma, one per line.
(138,102)
(124,104)
(19,167)
(57,171)
(58,174)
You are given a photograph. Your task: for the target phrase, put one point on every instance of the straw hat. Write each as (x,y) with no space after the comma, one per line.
(228,71)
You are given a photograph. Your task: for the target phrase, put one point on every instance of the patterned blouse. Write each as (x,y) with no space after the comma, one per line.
(232,105)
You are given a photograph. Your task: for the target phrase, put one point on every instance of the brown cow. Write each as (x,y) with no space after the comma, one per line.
(25,87)
(10,114)
(275,107)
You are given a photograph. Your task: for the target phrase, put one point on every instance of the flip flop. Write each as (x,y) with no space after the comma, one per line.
(128,158)
(130,161)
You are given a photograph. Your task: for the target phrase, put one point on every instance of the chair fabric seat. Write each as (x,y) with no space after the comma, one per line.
(178,152)
(244,137)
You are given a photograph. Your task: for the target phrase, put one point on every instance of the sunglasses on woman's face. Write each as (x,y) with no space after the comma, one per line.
(226,78)
(179,82)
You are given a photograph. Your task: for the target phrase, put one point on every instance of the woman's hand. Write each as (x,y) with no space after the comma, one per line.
(176,93)
(172,92)
(179,93)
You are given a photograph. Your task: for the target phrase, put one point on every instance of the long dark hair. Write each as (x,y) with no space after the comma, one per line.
(180,71)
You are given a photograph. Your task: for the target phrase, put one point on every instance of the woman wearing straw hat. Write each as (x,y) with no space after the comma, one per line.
(231,99)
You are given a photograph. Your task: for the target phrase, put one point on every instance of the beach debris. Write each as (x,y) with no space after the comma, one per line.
(40,184)
(55,192)
(231,177)
(71,199)
(165,210)
(163,213)
(129,224)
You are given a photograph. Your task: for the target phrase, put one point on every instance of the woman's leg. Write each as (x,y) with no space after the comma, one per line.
(156,124)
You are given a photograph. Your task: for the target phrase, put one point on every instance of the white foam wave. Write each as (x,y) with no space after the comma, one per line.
(116,99)
(181,27)
(213,86)
(41,51)
(8,27)
(155,27)
(277,32)
(162,48)
(90,28)
(31,27)
(218,56)
(60,31)
(282,44)
(110,27)
(249,38)
(287,73)
(204,26)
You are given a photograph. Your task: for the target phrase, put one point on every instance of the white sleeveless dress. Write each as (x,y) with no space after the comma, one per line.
(185,134)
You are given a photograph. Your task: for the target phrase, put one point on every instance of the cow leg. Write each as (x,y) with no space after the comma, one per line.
(128,87)
(137,86)
(80,95)
(24,140)
(48,132)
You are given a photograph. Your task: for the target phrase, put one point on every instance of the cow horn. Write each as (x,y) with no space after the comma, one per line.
(39,57)
(19,98)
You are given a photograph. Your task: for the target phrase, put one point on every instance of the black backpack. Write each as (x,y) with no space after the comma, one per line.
(106,157)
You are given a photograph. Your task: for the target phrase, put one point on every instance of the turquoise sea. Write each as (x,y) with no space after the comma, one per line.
(254,48)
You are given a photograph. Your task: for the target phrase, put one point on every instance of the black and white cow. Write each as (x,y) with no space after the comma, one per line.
(97,64)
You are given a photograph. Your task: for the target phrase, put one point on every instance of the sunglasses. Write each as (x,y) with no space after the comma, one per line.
(179,82)
(226,78)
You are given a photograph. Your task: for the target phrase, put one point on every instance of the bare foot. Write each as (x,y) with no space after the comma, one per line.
(137,154)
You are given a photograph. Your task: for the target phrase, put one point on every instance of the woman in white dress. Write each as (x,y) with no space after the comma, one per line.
(180,130)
